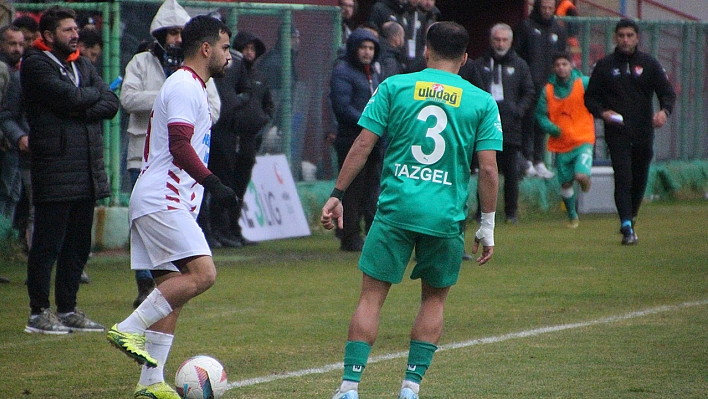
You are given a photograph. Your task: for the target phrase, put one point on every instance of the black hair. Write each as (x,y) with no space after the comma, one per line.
(90,37)
(561,54)
(627,23)
(390,29)
(8,28)
(448,39)
(200,29)
(51,17)
(26,22)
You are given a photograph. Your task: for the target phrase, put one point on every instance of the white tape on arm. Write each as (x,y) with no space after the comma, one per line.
(485,234)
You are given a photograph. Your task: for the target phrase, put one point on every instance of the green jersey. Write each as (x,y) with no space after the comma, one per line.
(432,121)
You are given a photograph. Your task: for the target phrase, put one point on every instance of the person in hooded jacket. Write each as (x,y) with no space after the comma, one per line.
(66,103)
(507,78)
(144,76)
(247,107)
(536,39)
(352,84)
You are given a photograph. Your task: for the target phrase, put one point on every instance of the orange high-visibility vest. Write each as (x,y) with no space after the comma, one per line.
(570,115)
(563,7)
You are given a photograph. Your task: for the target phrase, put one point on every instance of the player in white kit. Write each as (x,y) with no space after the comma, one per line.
(164,235)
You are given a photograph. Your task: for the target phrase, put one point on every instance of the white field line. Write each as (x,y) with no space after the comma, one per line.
(479,341)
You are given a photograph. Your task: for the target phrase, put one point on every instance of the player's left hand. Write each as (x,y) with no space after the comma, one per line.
(484,236)
(332,212)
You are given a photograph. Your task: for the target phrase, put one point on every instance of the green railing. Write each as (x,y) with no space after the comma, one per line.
(112,66)
(680,46)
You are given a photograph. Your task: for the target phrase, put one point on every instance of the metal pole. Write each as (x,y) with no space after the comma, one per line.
(286,94)
(115,122)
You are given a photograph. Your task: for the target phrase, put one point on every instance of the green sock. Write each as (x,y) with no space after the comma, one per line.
(570,205)
(420,356)
(356,354)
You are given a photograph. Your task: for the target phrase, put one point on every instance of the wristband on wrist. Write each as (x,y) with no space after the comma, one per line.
(337,193)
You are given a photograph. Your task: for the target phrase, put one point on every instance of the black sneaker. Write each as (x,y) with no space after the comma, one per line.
(628,236)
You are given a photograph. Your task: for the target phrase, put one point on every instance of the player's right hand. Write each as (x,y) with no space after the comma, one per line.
(332,213)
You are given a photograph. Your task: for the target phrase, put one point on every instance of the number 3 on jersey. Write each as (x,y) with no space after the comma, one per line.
(433,133)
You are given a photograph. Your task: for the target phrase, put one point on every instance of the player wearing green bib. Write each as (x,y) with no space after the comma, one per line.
(433,121)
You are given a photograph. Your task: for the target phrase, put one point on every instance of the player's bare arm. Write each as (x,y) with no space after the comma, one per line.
(488,186)
(356,158)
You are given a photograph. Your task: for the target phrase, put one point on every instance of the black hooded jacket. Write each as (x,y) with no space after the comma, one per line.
(536,40)
(519,93)
(350,87)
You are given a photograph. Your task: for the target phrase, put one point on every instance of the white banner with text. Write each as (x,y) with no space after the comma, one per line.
(271,205)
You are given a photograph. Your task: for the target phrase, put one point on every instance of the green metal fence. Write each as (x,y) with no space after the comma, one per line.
(300,126)
(304,112)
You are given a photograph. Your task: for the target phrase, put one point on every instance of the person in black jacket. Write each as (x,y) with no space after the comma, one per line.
(391,58)
(536,39)
(351,86)
(508,79)
(246,108)
(620,91)
(66,103)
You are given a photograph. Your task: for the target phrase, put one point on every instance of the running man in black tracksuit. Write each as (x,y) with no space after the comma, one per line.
(621,89)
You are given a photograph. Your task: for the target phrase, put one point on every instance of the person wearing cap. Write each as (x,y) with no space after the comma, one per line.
(247,107)
(144,76)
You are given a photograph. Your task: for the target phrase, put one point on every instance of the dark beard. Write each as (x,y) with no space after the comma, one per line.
(62,49)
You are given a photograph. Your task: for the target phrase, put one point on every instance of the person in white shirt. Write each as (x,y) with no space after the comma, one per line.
(165,237)
(144,76)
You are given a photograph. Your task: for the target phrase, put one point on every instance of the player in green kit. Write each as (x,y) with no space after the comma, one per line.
(433,121)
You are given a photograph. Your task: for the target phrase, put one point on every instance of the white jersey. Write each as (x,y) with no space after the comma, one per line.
(162,184)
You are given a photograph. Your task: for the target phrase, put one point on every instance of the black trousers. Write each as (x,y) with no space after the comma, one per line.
(630,161)
(62,234)
(224,221)
(360,199)
(508,165)
(534,138)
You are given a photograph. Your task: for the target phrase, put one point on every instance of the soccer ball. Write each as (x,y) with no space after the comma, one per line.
(201,377)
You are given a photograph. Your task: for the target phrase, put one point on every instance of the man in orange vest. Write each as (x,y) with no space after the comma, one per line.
(561,113)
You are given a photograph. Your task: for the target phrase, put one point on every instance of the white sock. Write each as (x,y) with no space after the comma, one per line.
(349,386)
(158,345)
(567,192)
(154,308)
(414,386)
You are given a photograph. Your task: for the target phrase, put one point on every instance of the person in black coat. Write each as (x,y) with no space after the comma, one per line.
(352,84)
(621,92)
(507,77)
(246,108)
(536,39)
(66,103)
(391,58)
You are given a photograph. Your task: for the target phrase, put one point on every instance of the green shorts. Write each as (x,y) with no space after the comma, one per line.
(388,250)
(576,161)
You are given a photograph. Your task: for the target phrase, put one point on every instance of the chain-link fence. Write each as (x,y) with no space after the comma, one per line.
(305,39)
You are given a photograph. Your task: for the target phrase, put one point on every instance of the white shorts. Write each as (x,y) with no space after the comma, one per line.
(158,239)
